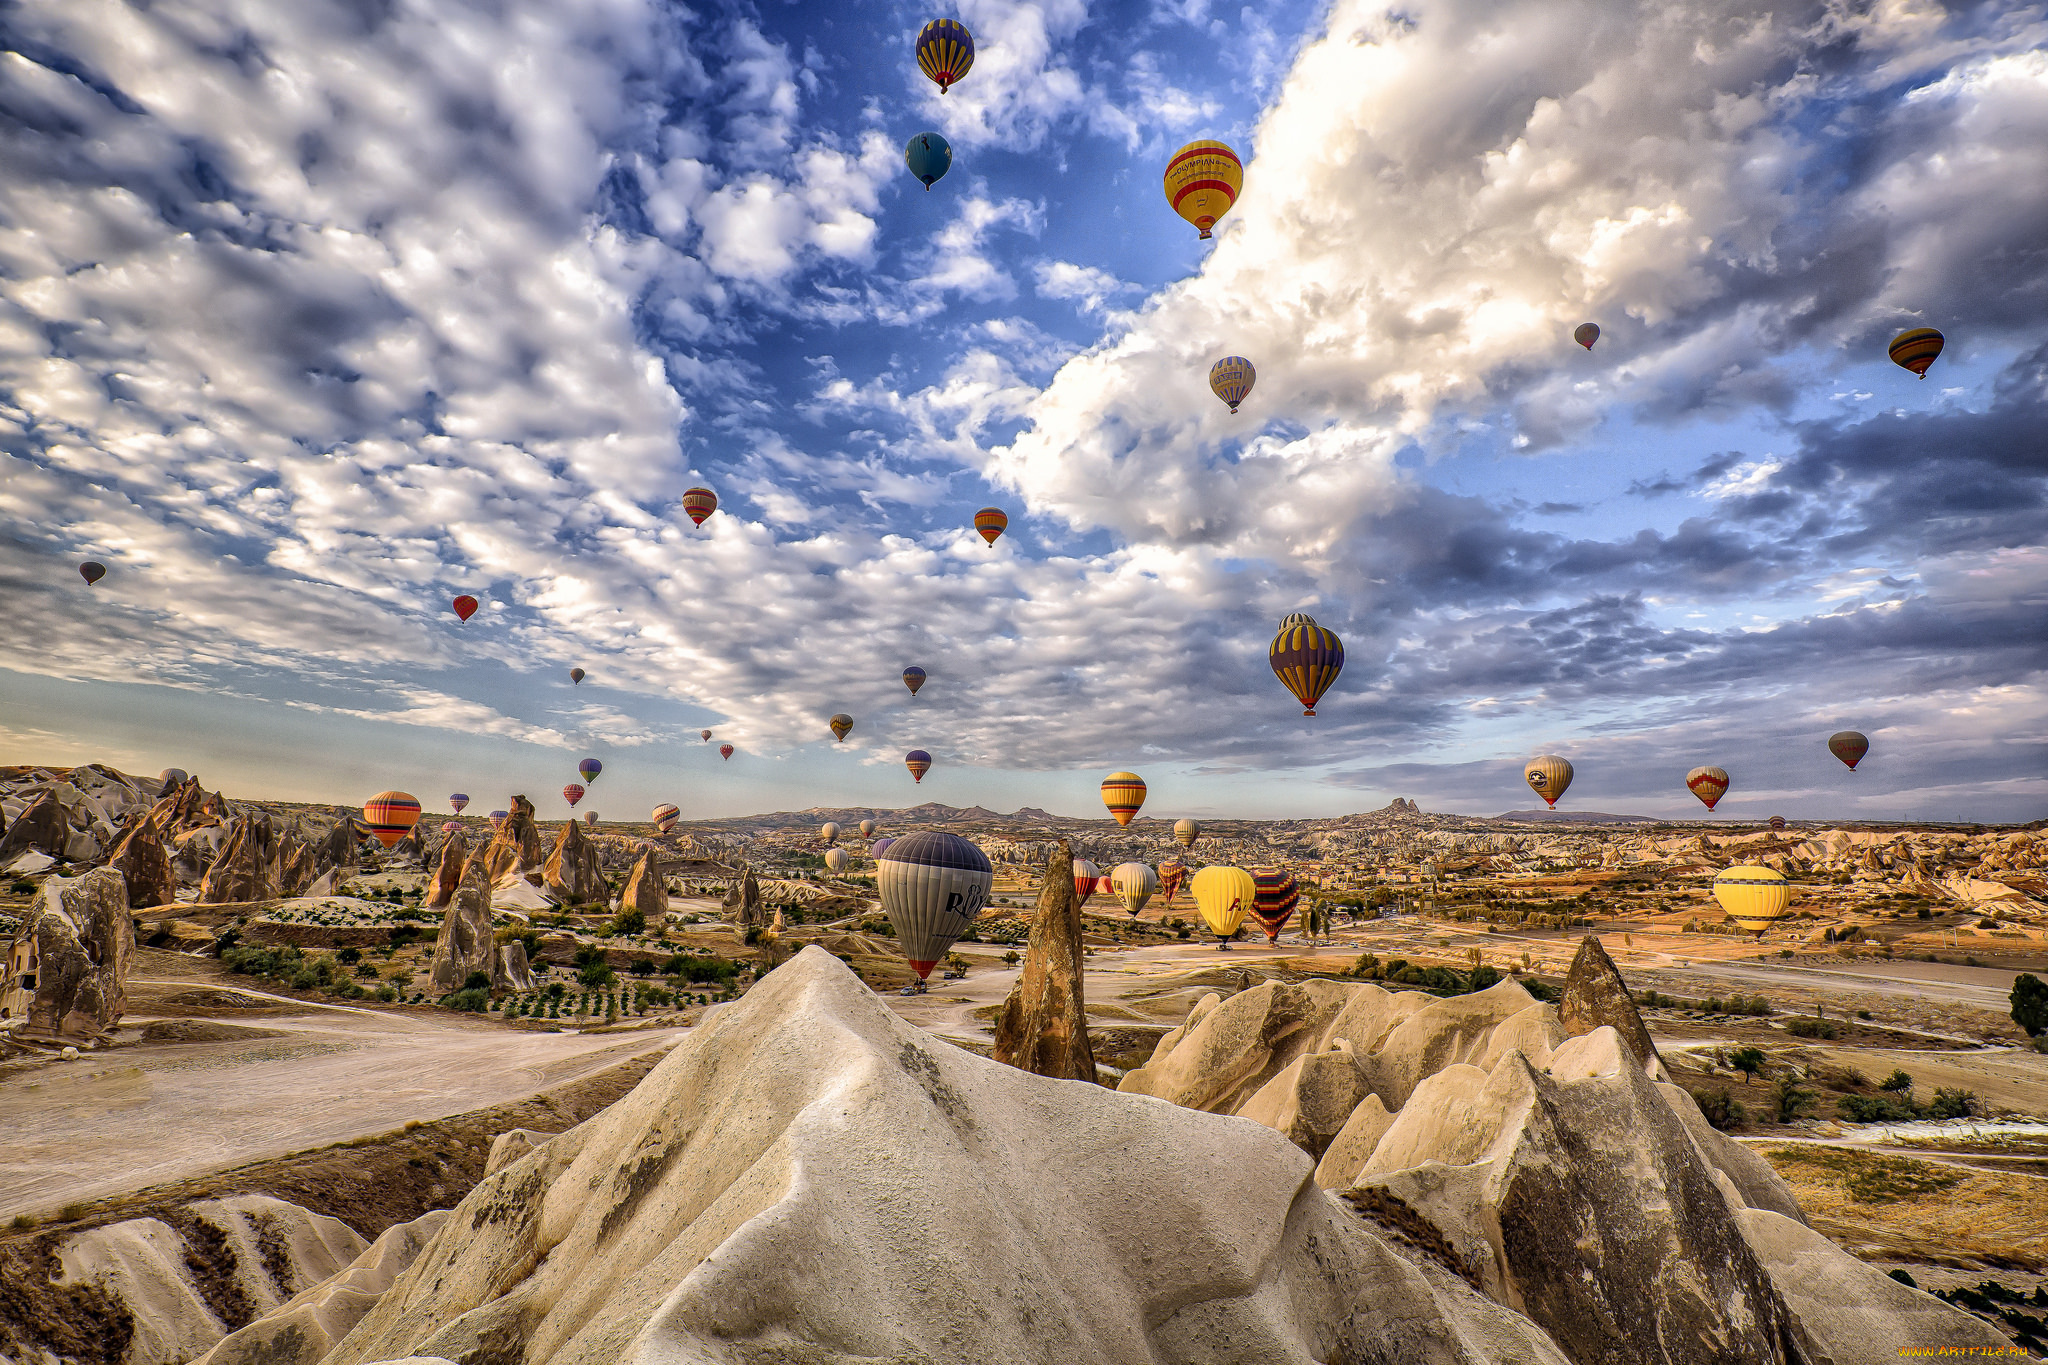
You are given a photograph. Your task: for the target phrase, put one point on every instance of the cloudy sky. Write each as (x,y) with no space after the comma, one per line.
(313,316)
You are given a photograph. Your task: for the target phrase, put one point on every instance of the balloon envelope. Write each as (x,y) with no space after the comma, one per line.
(1849,746)
(1123,793)
(1777,823)
(1306,659)
(945,51)
(1087,876)
(451,827)
(1275,899)
(991,522)
(835,860)
(933,886)
(867,829)
(391,816)
(842,726)
(919,762)
(829,832)
(1708,784)
(1231,378)
(92,572)
(1754,897)
(572,794)
(457,800)
(465,606)
(1171,875)
(497,817)
(1202,181)
(1547,776)
(725,752)
(913,678)
(704,735)
(1916,349)
(1586,333)
(590,818)
(929,157)
(173,777)
(699,503)
(664,817)
(1224,896)
(880,846)
(577,675)
(1185,832)
(1134,884)
(590,768)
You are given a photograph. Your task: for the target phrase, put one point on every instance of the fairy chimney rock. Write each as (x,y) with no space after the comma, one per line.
(1043,1028)
(1595,995)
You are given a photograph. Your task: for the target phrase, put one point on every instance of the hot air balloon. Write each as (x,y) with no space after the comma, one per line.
(92,571)
(1777,824)
(913,678)
(699,503)
(725,752)
(704,735)
(991,522)
(1133,884)
(590,818)
(577,675)
(172,777)
(590,768)
(664,817)
(465,607)
(1275,899)
(1086,877)
(1849,746)
(457,801)
(1754,897)
(829,832)
(572,794)
(1231,378)
(867,829)
(945,51)
(1307,659)
(1185,832)
(1586,333)
(919,762)
(391,816)
(497,818)
(1224,896)
(929,157)
(835,860)
(1202,181)
(1547,776)
(451,827)
(1171,875)
(880,846)
(933,886)
(1708,784)
(1916,349)
(842,726)
(1123,793)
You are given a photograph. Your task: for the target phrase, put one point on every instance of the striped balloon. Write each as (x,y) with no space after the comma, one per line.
(451,827)
(1133,884)
(1754,897)
(1307,659)
(991,522)
(1293,619)
(913,678)
(880,846)
(1777,824)
(465,607)
(699,503)
(1185,832)
(457,800)
(945,51)
(933,886)
(1708,784)
(1231,378)
(1274,903)
(704,735)
(841,726)
(1171,875)
(1547,776)
(867,829)
(572,794)
(590,768)
(1087,876)
(497,818)
(1123,793)
(919,762)
(665,816)
(1202,181)
(1916,349)
(590,818)
(829,831)
(835,860)
(391,816)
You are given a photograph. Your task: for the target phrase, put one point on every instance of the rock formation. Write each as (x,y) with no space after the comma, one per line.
(799,1180)
(144,865)
(573,873)
(447,875)
(510,1145)
(339,848)
(1596,996)
(242,869)
(297,864)
(516,846)
(313,1321)
(79,938)
(1043,1028)
(645,890)
(42,827)
(743,898)
(510,970)
(464,944)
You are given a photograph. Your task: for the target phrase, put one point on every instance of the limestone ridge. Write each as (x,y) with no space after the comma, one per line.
(1043,1028)
(1595,995)
(808,1177)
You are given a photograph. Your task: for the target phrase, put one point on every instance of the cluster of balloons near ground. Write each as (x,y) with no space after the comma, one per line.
(1548,775)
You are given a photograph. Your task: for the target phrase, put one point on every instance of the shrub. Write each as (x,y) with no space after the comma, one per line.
(1806,1026)
(2030,1004)
(643,966)
(1790,1099)
(630,922)
(1900,1274)
(1952,1104)
(22,1221)
(402,934)
(1875,1108)
(1368,965)
(349,956)
(1720,1109)
(387,993)
(470,998)
(1899,1083)
(1749,1061)
(1013,957)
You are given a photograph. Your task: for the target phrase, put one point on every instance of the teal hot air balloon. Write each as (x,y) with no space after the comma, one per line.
(590,768)
(929,157)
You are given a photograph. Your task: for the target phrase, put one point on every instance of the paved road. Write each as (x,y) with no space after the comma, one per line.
(131,1117)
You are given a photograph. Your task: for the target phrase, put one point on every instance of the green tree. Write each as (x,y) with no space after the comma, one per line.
(1749,1061)
(1899,1083)
(2030,1004)
(1789,1098)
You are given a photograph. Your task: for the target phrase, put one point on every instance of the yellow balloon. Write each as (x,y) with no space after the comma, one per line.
(1202,182)
(1547,776)
(1754,897)
(1224,895)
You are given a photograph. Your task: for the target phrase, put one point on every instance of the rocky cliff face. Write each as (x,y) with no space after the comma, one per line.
(808,1178)
(574,874)
(83,939)
(243,869)
(1043,1028)
(144,866)
(515,849)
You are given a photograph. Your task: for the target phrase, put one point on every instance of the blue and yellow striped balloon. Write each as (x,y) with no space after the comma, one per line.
(1916,349)
(945,50)
(1307,659)
(1231,378)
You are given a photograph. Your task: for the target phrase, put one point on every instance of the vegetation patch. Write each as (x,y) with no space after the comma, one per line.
(1871,1177)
